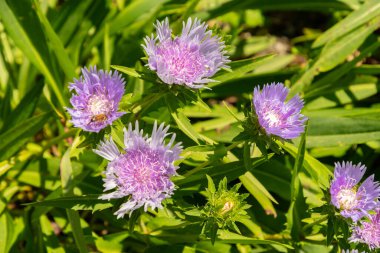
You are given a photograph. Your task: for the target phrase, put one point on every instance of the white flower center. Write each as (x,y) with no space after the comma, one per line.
(99,105)
(272,118)
(347,199)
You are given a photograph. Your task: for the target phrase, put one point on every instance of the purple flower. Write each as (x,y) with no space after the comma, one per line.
(368,232)
(354,201)
(188,59)
(352,251)
(274,115)
(142,171)
(97,98)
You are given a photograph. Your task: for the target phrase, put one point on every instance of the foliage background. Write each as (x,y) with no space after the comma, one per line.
(328,50)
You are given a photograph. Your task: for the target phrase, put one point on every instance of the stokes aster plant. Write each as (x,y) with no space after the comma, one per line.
(145,202)
(189,59)
(142,171)
(96,102)
(275,116)
(272,117)
(354,200)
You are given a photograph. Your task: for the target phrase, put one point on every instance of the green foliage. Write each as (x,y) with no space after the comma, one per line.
(272,194)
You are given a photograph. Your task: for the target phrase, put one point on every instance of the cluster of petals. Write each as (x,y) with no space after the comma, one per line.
(353,199)
(142,171)
(276,116)
(96,102)
(190,59)
(368,232)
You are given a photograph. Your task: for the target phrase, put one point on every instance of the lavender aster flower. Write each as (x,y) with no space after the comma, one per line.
(368,232)
(188,59)
(274,115)
(352,251)
(354,201)
(97,98)
(142,171)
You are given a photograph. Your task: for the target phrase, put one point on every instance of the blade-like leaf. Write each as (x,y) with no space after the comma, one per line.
(13,139)
(34,47)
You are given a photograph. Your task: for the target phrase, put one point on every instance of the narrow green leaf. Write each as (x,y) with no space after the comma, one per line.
(229,237)
(319,172)
(230,170)
(50,239)
(15,138)
(328,82)
(297,207)
(259,192)
(67,189)
(210,184)
(126,70)
(25,108)
(276,5)
(239,69)
(342,131)
(334,53)
(182,121)
(55,42)
(125,18)
(366,12)
(37,53)
(84,202)
(6,232)
(6,195)
(74,220)
(330,231)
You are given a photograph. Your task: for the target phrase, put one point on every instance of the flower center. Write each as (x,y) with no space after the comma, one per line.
(227,207)
(272,118)
(99,105)
(185,64)
(347,199)
(143,176)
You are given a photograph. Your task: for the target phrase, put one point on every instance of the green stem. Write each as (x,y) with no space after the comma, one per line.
(307,226)
(200,167)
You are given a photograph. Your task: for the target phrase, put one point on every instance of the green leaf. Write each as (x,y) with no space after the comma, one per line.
(297,207)
(369,10)
(327,82)
(50,239)
(6,232)
(276,5)
(126,70)
(334,53)
(239,69)
(20,26)
(318,171)
(229,237)
(133,11)
(330,231)
(230,170)
(210,184)
(6,196)
(84,202)
(25,108)
(341,131)
(67,189)
(55,42)
(15,138)
(259,192)
(74,220)
(182,121)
